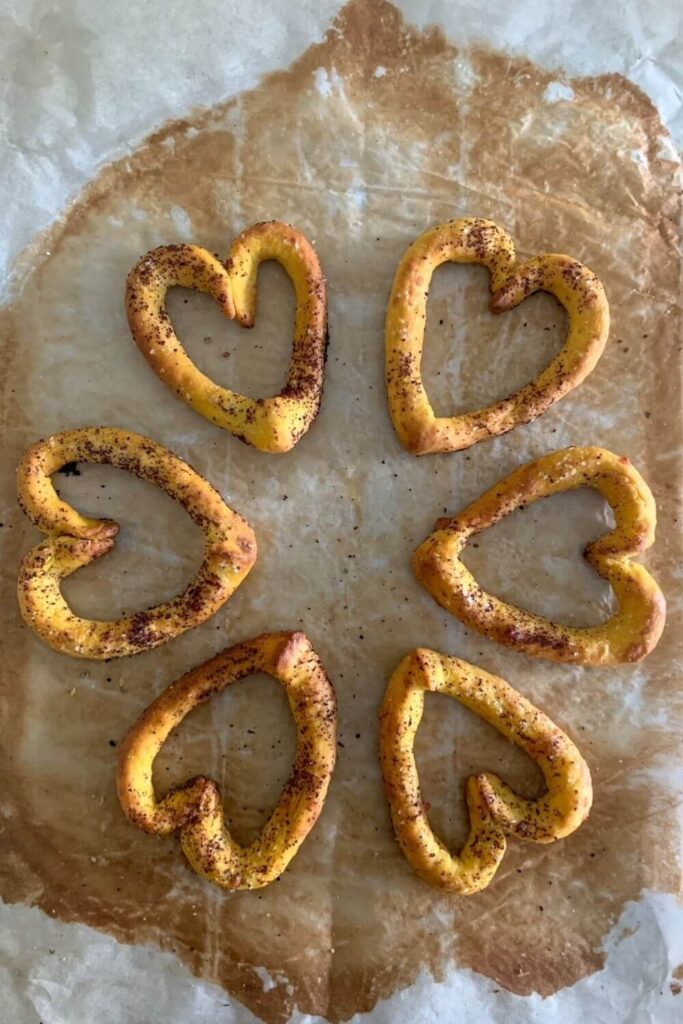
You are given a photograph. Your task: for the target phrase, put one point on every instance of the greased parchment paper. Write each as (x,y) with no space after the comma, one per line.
(371,135)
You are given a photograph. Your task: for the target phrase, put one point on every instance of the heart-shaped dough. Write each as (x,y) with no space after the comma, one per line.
(75,540)
(495,811)
(195,807)
(270,424)
(481,241)
(630,634)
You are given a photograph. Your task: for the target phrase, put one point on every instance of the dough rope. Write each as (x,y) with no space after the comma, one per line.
(270,424)
(629,634)
(481,241)
(495,811)
(195,808)
(74,540)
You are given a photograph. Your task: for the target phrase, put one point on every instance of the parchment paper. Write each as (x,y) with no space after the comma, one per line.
(369,137)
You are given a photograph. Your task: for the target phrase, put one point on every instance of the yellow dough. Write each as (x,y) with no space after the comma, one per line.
(74,540)
(628,635)
(271,424)
(195,808)
(481,241)
(495,811)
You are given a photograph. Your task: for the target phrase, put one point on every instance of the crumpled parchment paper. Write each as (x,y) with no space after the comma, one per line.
(371,135)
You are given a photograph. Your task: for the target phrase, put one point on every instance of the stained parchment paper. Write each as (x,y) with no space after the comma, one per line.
(374,133)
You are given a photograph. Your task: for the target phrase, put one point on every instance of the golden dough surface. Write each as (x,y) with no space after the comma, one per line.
(194,808)
(74,540)
(474,240)
(630,634)
(272,424)
(496,812)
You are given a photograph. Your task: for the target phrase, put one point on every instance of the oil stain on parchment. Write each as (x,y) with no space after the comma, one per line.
(368,138)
